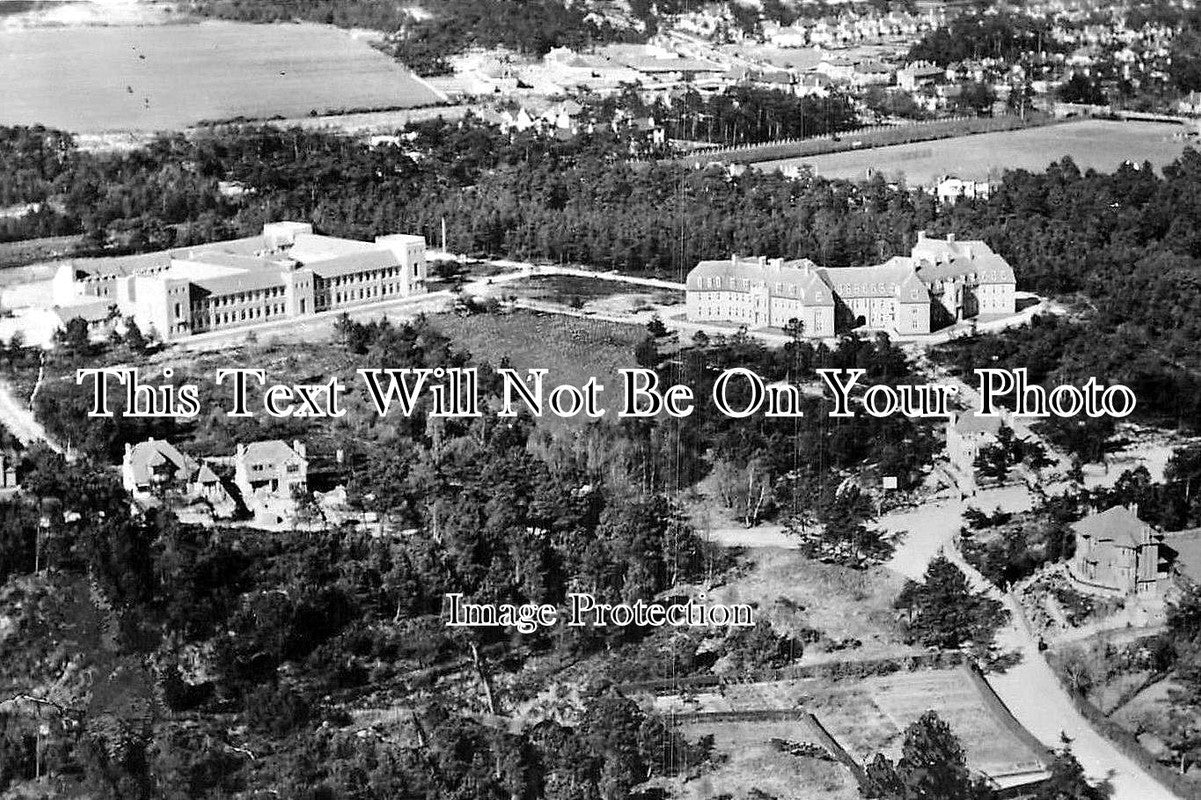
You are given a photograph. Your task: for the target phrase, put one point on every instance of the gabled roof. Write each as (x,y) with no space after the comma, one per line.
(801,273)
(96,311)
(1118,524)
(272,451)
(932,249)
(990,268)
(880,280)
(144,457)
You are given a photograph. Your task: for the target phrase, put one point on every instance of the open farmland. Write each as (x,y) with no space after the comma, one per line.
(1092,143)
(168,77)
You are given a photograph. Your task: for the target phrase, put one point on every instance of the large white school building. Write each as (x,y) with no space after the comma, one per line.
(287,271)
(940,282)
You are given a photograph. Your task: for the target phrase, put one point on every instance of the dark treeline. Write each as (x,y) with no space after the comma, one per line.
(985,35)
(743,115)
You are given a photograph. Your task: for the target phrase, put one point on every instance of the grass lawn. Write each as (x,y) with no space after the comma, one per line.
(796,593)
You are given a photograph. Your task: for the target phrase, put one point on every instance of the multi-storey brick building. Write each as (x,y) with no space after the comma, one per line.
(287,271)
(940,282)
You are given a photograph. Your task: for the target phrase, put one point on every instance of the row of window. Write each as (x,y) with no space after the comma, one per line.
(241,315)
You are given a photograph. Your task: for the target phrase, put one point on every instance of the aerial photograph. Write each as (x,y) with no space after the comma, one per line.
(600,399)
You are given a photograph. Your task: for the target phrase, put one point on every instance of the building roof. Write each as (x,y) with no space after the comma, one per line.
(881,280)
(990,268)
(652,64)
(354,262)
(923,69)
(972,423)
(248,281)
(1186,553)
(271,452)
(96,311)
(801,273)
(1119,524)
(931,249)
(143,457)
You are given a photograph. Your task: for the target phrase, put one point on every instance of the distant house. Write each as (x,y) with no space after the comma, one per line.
(1117,552)
(950,190)
(872,73)
(1190,104)
(967,435)
(917,74)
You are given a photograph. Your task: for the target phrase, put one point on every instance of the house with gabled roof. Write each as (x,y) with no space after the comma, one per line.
(270,471)
(1118,553)
(154,469)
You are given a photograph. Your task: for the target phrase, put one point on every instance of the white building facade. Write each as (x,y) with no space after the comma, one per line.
(287,271)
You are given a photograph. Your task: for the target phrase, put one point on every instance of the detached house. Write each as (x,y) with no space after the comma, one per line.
(967,435)
(270,471)
(1116,552)
(153,469)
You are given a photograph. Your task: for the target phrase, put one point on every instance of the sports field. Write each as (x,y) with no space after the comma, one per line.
(1092,143)
(167,77)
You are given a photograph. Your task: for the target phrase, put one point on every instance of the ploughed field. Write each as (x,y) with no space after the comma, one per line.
(167,77)
(1092,143)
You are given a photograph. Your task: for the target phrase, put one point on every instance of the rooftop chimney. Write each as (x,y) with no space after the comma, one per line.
(950,238)
(921,236)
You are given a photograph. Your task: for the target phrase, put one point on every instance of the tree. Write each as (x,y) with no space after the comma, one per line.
(842,535)
(944,612)
(1185,66)
(932,766)
(73,339)
(1080,89)
(134,339)
(1067,781)
(977,97)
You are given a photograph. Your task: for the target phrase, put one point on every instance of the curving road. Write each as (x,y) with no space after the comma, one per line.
(1030,689)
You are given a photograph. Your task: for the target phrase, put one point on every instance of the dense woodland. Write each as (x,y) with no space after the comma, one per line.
(1117,246)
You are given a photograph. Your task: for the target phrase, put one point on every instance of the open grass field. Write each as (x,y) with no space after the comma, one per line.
(753,763)
(852,609)
(1092,143)
(572,349)
(167,77)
